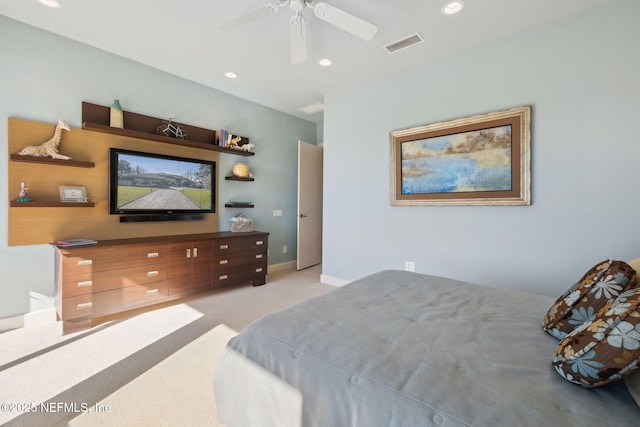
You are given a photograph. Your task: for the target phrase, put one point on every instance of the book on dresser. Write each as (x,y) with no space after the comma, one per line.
(75,242)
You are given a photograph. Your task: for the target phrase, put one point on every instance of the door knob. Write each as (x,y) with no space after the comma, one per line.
(303,216)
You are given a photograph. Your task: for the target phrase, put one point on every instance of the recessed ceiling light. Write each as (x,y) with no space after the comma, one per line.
(452,7)
(312,108)
(54,4)
(230,75)
(324,62)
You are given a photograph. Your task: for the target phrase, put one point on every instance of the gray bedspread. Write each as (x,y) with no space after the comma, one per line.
(405,349)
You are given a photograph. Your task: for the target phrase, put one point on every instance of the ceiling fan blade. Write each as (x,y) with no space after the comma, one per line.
(345,21)
(252,15)
(297,39)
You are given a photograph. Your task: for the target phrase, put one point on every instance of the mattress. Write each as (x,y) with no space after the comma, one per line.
(406,349)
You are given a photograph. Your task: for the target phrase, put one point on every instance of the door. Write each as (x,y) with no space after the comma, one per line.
(309,205)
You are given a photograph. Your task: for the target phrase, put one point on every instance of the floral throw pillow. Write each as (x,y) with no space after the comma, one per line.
(604,349)
(601,284)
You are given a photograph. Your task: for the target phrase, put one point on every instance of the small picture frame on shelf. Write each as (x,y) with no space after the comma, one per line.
(71,194)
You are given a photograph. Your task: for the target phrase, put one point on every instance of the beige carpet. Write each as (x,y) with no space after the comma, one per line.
(153,368)
(176,392)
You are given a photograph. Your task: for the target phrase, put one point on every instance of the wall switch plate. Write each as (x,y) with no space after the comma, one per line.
(277,212)
(285,249)
(409,266)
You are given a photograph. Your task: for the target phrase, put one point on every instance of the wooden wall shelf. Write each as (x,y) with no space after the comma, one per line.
(34,204)
(96,118)
(238,205)
(51,161)
(238,178)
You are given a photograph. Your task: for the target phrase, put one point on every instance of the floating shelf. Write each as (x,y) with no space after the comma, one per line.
(96,118)
(34,204)
(238,205)
(238,178)
(51,161)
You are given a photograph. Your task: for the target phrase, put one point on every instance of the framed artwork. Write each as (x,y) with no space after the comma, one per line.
(478,160)
(70,194)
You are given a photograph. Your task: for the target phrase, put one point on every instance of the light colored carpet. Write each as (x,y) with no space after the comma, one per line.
(153,368)
(178,391)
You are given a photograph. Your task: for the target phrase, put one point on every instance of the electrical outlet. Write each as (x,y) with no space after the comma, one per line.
(285,249)
(410,266)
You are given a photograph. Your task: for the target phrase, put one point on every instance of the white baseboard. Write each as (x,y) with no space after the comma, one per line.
(333,281)
(39,317)
(275,268)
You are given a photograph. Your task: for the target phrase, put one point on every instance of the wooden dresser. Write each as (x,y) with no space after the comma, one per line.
(114,276)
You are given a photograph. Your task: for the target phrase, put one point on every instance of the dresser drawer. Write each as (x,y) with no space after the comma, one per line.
(76,307)
(117,300)
(239,244)
(235,259)
(82,260)
(83,283)
(238,274)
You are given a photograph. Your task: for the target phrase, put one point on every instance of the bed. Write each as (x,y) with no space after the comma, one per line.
(406,349)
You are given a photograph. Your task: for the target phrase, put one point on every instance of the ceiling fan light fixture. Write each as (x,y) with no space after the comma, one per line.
(452,7)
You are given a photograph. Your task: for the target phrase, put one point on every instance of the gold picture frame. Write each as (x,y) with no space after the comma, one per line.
(477,160)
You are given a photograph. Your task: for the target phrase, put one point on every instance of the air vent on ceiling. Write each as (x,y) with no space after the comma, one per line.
(406,42)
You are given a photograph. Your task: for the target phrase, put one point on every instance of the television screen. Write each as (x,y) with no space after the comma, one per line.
(146,183)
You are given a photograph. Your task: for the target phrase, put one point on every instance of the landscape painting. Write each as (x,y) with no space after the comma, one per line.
(470,161)
(478,160)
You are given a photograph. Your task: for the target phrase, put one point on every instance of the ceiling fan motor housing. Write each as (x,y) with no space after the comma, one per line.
(297,5)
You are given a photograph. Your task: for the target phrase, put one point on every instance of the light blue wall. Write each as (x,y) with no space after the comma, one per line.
(581,77)
(44,77)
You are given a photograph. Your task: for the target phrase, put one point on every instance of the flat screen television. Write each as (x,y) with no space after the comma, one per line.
(160,185)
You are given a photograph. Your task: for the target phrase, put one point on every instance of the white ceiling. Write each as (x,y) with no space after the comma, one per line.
(181,37)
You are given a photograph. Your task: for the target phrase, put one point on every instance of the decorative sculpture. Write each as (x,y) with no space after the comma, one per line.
(240,144)
(247,147)
(50,147)
(22,197)
(169,129)
(233,143)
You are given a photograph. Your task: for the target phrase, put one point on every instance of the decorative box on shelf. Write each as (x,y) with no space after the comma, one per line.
(241,223)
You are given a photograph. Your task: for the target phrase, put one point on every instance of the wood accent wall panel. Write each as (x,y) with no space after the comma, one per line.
(41,225)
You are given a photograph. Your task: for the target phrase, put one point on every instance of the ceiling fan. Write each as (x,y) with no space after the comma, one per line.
(331,14)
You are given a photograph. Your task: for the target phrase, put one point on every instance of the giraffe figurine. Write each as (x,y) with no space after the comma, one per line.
(50,147)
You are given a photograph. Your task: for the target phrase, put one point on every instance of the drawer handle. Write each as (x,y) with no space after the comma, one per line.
(83,306)
(224,261)
(259,270)
(152,273)
(85,284)
(259,242)
(152,291)
(224,246)
(188,253)
(258,256)
(85,262)
(223,277)
(195,252)
(153,255)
